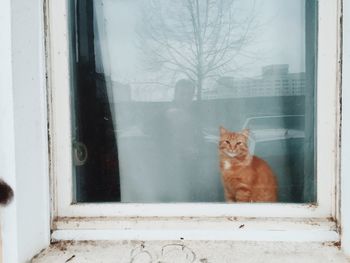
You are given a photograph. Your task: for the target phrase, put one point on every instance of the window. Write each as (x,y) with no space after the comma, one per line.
(143,128)
(115,105)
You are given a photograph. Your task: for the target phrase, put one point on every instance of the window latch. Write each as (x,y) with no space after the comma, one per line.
(80,153)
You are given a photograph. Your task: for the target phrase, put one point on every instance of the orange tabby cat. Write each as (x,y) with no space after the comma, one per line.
(245,178)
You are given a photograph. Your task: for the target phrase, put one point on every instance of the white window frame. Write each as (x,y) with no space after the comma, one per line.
(66,215)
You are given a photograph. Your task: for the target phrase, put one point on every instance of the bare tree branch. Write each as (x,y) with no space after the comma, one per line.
(200,39)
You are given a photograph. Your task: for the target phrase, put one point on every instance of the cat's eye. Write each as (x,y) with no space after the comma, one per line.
(227,142)
(238,143)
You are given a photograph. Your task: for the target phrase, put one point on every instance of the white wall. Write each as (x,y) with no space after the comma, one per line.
(7,138)
(345,160)
(23,129)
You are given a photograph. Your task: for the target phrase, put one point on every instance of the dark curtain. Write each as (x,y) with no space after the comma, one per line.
(97,178)
(310,182)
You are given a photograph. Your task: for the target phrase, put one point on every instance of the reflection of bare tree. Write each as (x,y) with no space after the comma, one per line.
(196,38)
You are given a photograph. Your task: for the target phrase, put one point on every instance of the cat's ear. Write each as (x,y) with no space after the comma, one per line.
(223,131)
(245,132)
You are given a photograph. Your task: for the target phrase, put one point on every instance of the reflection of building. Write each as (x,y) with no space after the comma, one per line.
(116,91)
(151,91)
(275,81)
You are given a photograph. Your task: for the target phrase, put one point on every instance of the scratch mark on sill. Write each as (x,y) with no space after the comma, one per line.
(69,259)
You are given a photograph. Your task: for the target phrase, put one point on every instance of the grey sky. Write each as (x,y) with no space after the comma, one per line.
(280,38)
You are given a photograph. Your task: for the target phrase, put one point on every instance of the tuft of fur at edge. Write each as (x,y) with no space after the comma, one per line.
(6,193)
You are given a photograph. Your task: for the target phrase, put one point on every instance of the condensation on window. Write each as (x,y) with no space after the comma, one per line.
(154,80)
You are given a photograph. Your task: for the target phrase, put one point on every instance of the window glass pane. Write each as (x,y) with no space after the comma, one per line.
(194,101)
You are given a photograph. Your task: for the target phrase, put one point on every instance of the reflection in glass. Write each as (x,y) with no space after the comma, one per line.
(159,77)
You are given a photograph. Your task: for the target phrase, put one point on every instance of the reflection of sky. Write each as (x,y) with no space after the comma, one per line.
(280,39)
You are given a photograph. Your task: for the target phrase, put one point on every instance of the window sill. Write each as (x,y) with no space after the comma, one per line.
(190,251)
(196,228)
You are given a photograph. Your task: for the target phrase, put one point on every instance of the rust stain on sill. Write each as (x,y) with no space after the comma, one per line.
(61,245)
(336,244)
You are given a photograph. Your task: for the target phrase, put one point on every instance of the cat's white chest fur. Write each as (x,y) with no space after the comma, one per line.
(227,165)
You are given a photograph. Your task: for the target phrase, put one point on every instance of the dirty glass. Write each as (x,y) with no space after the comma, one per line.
(154,80)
